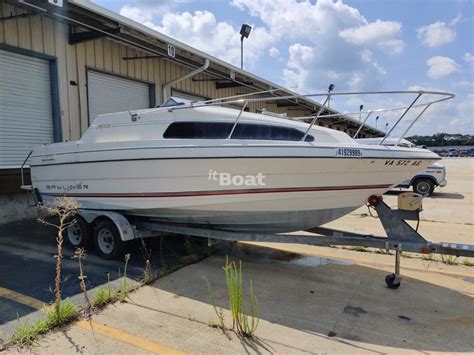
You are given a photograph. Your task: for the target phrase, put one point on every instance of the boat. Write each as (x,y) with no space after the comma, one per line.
(202,164)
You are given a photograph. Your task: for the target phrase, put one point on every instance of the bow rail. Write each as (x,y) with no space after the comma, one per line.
(246,99)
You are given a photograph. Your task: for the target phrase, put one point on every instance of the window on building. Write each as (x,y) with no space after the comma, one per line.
(221,130)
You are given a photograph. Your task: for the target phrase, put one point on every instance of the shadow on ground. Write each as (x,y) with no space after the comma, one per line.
(27,252)
(347,303)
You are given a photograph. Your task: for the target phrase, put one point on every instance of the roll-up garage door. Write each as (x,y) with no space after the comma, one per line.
(109,93)
(26,114)
(187,96)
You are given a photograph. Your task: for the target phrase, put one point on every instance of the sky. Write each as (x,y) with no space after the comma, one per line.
(358,45)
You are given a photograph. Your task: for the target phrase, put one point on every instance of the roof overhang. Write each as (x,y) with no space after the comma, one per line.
(90,21)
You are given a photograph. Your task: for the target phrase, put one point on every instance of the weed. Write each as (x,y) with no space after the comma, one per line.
(64,209)
(361,249)
(405,255)
(428,257)
(109,286)
(67,312)
(449,259)
(101,298)
(467,262)
(80,254)
(26,334)
(148,273)
(240,321)
(383,251)
(219,311)
(198,247)
(104,296)
(243,324)
(123,285)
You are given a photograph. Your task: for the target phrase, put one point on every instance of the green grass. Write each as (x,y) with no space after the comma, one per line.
(102,297)
(27,334)
(68,312)
(197,246)
(428,257)
(449,259)
(219,311)
(467,262)
(244,324)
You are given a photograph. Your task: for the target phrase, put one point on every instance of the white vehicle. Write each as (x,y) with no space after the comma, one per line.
(423,183)
(215,167)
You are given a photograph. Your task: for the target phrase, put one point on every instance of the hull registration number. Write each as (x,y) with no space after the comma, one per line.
(348,152)
(403,162)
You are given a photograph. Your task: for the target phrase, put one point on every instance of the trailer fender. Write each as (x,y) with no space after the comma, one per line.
(123,225)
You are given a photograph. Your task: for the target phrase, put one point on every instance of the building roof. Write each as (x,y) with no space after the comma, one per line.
(136,27)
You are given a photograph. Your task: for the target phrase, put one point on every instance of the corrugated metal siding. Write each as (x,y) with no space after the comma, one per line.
(109,93)
(43,35)
(187,96)
(26,116)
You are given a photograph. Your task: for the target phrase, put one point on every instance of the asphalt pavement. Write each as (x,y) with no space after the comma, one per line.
(27,265)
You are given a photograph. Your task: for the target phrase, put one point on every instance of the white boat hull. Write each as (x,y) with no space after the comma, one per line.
(298,192)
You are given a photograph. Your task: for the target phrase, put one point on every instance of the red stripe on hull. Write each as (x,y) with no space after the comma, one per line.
(217,193)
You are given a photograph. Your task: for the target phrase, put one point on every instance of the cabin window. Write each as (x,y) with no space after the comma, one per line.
(198,130)
(221,130)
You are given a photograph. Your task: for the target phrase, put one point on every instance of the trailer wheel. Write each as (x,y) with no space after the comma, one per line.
(390,280)
(78,235)
(107,241)
(424,187)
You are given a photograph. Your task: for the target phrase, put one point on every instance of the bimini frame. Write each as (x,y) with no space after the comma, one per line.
(245,99)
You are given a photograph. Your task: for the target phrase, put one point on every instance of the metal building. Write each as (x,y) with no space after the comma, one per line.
(63,62)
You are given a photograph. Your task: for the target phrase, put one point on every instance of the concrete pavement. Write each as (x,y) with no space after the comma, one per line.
(307,305)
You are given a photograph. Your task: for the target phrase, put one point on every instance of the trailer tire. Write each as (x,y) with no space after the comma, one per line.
(391,283)
(79,234)
(423,187)
(107,240)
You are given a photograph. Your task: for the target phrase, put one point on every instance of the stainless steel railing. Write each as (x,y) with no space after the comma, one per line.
(239,99)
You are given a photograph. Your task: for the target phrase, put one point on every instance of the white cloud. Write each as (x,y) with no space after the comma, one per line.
(136,14)
(318,55)
(201,30)
(144,10)
(436,34)
(453,116)
(274,52)
(439,67)
(464,84)
(380,33)
(468,58)
(455,20)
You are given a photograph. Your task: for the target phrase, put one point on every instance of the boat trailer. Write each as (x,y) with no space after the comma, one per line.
(400,235)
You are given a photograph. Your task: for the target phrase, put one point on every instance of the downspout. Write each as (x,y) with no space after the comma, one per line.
(167,86)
